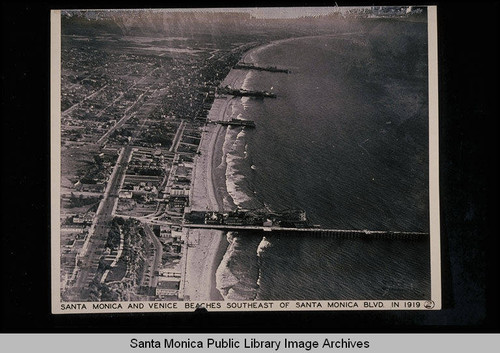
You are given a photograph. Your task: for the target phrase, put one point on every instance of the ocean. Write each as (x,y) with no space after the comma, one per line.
(346,140)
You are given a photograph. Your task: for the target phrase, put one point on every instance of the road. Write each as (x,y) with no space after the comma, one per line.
(178,136)
(74,106)
(126,116)
(153,267)
(97,239)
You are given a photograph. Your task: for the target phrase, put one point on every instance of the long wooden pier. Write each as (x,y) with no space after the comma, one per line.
(320,232)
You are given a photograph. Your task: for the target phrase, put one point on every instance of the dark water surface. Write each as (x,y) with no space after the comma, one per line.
(347,141)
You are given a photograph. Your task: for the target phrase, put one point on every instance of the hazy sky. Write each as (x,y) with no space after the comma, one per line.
(283,12)
(264,12)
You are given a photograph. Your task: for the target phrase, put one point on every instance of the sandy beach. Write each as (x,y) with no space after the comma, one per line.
(208,190)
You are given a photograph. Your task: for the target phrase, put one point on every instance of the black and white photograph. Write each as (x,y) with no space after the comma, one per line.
(244,159)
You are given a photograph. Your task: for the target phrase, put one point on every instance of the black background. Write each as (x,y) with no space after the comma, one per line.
(468,96)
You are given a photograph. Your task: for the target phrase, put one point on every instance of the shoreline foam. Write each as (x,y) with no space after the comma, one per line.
(208,191)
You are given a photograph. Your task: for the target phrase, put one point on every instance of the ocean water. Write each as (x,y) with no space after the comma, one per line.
(347,141)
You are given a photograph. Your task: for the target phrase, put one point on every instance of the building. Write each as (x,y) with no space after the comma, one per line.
(86,218)
(168,287)
(178,202)
(169,273)
(125,194)
(213,218)
(179,191)
(97,187)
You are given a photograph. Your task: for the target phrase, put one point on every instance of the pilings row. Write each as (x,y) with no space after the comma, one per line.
(355,234)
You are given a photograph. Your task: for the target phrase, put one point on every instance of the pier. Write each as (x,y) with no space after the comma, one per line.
(248,66)
(245,93)
(287,222)
(237,122)
(319,232)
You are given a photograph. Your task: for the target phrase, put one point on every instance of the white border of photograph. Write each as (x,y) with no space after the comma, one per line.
(59,307)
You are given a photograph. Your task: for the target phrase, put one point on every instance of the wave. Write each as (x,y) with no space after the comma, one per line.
(245,102)
(233,109)
(224,278)
(235,278)
(246,81)
(238,195)
(264,244)
(225,148)
(233,158)
(232,278)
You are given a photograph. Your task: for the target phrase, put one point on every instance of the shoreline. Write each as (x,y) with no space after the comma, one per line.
(208,191)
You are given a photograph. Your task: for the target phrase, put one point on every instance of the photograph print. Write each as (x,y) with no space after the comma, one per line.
(244,159)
